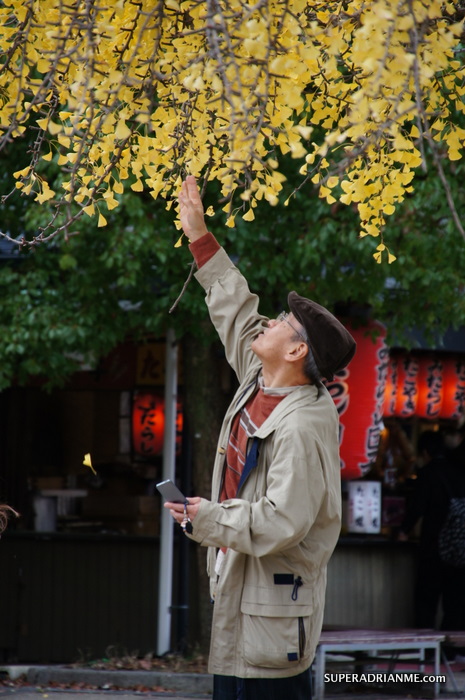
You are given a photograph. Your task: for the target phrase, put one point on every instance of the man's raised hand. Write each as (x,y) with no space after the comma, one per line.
(191,212)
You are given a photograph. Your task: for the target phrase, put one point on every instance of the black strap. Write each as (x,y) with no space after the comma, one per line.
(250,462)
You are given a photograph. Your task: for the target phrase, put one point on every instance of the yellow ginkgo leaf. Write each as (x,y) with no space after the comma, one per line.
(249,216)
(54,128)
(178,243)
(22,173)
(88,463)
(389,209)
(122,131)
(45,194)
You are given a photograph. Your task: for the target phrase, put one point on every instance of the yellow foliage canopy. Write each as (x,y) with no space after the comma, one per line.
(139,94)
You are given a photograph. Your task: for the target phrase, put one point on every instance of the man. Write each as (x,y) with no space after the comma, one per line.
(274,517)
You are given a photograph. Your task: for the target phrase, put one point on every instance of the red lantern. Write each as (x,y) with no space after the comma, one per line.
(148,424)
(390,392)
(358,392)
(453,401)
(429,387)
(407,386)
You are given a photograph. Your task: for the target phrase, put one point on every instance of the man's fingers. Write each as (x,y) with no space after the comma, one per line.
(191,209)
(189,191)
(192,189)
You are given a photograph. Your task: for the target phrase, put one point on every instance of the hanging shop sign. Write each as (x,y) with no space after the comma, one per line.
(148,424)
(428,385)
(390,391)
(453,388)
(407,386)
(358,392)
(364,515)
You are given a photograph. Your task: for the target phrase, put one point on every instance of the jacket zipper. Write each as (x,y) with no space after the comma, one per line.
(302,638)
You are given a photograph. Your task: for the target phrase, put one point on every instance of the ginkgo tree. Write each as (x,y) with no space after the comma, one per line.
(138,93)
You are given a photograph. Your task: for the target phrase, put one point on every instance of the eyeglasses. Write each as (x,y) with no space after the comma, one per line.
(284,316)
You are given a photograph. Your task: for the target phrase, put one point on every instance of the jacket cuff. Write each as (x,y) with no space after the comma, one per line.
(204,248)
(203,522)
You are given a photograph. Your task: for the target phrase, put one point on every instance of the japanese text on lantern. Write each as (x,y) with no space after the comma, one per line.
(429,387)
(453,403)
(407,393)
(148,424)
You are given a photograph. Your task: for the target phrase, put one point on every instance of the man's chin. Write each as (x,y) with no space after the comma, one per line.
(255,345)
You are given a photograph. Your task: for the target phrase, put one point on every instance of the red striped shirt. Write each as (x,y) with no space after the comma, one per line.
(244,425)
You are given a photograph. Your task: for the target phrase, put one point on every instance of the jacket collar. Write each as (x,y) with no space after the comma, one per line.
(299,397)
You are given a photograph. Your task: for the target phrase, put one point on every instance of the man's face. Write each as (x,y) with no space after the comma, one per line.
(279,337)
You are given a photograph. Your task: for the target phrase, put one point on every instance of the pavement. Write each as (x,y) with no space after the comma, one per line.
(22,682)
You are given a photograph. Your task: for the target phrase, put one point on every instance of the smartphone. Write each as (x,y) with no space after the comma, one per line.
(170,492)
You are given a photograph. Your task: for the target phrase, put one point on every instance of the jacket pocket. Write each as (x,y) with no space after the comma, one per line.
(275,628)
(274,642)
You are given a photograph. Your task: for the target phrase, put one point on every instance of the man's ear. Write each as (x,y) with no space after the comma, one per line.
(298,352)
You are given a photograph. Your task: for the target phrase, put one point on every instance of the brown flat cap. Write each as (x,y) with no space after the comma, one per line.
(331,343)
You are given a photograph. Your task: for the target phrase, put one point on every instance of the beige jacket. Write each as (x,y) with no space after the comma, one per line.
(285,522)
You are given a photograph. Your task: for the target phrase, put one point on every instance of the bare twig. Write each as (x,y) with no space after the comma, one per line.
(193,266)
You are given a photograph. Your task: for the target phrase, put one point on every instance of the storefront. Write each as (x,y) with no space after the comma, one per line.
(80,567)
(386,399)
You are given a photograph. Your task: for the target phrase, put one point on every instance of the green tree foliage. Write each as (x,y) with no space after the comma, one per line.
(78,298)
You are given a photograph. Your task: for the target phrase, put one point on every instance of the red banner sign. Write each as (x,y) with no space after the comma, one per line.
(358,392)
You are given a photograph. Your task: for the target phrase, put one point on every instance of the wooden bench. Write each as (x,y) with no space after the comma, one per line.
(397,642)
(455,639)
